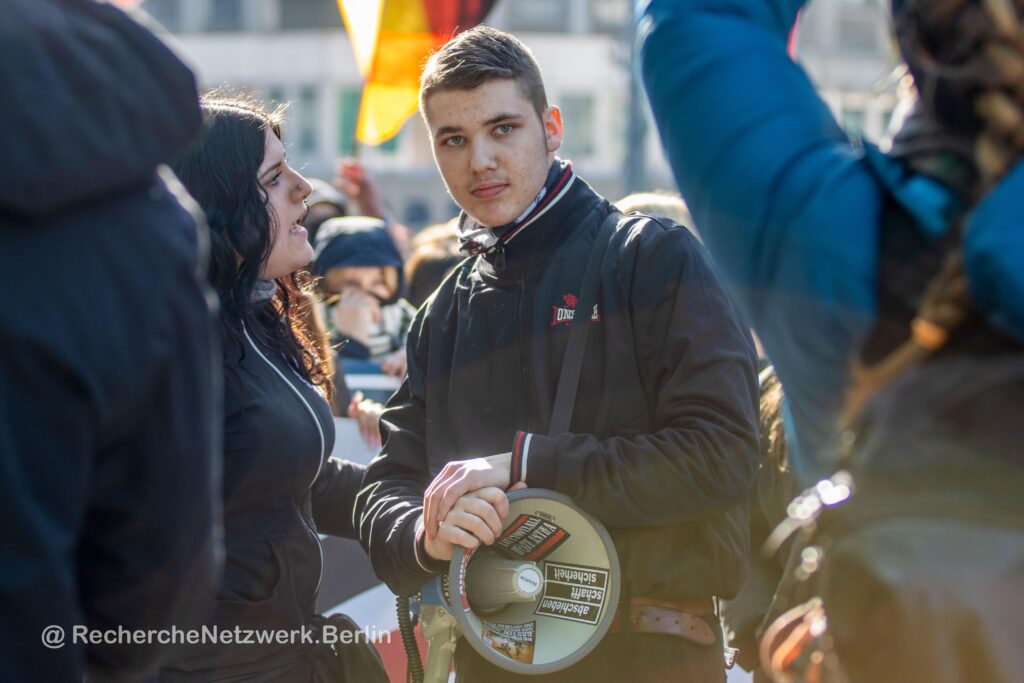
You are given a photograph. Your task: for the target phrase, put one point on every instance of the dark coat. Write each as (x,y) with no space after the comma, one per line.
(280,491)
(663,442)
(109,371)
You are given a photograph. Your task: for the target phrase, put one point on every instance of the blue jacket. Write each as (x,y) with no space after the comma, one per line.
(789,208)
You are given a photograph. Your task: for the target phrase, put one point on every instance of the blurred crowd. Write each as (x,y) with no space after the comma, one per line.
(798,411)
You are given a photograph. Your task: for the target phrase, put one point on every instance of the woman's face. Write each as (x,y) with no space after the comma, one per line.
(286,191)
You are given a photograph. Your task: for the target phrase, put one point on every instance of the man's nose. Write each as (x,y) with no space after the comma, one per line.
(483,157)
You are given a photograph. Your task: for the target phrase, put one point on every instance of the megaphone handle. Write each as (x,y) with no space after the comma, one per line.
(441,632)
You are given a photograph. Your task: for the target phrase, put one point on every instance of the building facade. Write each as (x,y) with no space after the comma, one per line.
(298,52)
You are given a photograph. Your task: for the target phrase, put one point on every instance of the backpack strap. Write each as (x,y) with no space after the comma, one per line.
(572,361)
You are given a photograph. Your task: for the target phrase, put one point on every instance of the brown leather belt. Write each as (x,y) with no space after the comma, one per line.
(680,618)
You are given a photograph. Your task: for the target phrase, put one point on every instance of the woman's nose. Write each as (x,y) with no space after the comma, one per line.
(302,187)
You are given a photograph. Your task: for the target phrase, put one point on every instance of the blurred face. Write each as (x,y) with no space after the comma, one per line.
(380,282)
(286,191)
(492,148)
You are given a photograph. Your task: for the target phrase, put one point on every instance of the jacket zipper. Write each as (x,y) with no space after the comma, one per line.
(323,447)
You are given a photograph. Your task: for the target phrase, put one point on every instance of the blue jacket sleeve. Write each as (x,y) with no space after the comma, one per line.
(992,254)
(789,209)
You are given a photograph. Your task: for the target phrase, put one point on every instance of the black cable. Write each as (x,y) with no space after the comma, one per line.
(414,670)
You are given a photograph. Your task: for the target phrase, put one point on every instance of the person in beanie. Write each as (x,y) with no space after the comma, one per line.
(362,281)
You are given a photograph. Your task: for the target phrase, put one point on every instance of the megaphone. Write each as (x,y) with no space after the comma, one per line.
(536,601)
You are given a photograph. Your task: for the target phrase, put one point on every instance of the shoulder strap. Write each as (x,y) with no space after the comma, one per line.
(572,361)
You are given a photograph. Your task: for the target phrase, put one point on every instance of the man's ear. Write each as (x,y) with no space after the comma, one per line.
(553,129)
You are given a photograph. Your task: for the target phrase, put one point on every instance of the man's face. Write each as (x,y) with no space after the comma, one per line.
(492,148)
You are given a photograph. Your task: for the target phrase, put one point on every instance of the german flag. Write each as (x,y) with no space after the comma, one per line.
(392,40)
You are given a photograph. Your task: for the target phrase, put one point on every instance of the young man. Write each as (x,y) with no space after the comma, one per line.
(664,437)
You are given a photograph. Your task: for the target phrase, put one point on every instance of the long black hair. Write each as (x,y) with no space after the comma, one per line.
(220,171)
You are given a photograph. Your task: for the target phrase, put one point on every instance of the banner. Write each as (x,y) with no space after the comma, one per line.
(392,40)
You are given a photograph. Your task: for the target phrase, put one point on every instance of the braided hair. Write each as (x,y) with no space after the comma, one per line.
(967,60)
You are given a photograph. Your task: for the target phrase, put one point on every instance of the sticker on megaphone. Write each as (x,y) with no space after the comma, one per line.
(532,537)
(573,592)
(515,641)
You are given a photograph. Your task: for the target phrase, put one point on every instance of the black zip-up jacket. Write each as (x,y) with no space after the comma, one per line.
(663,442)
(280,489)
(109,371)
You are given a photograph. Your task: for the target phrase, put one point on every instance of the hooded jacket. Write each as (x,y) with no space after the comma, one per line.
(793,212)
(109,377)
(662,445)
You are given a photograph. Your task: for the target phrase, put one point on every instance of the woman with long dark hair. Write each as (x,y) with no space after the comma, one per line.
(280,487)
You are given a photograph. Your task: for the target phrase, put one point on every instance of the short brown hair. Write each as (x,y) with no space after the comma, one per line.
(477,56)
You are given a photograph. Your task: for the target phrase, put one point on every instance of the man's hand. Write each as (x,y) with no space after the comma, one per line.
(459,478)
(475,518)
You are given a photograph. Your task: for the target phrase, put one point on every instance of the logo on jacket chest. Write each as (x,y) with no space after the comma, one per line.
(567,311)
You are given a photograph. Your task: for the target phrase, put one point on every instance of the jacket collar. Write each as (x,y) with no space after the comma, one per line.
(479,239)
(532,245)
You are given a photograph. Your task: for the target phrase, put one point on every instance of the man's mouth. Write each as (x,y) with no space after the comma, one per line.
(488,190)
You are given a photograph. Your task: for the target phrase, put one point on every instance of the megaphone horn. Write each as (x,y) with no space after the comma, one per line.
(537,600)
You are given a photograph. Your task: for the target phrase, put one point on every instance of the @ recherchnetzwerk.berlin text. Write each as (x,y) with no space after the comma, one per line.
(55,637)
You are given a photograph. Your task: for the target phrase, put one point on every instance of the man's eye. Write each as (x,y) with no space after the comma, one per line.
(505,128)
(454,141)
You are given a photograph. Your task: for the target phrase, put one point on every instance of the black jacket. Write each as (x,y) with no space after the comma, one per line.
(109,372)
(280,490)
(663,446)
